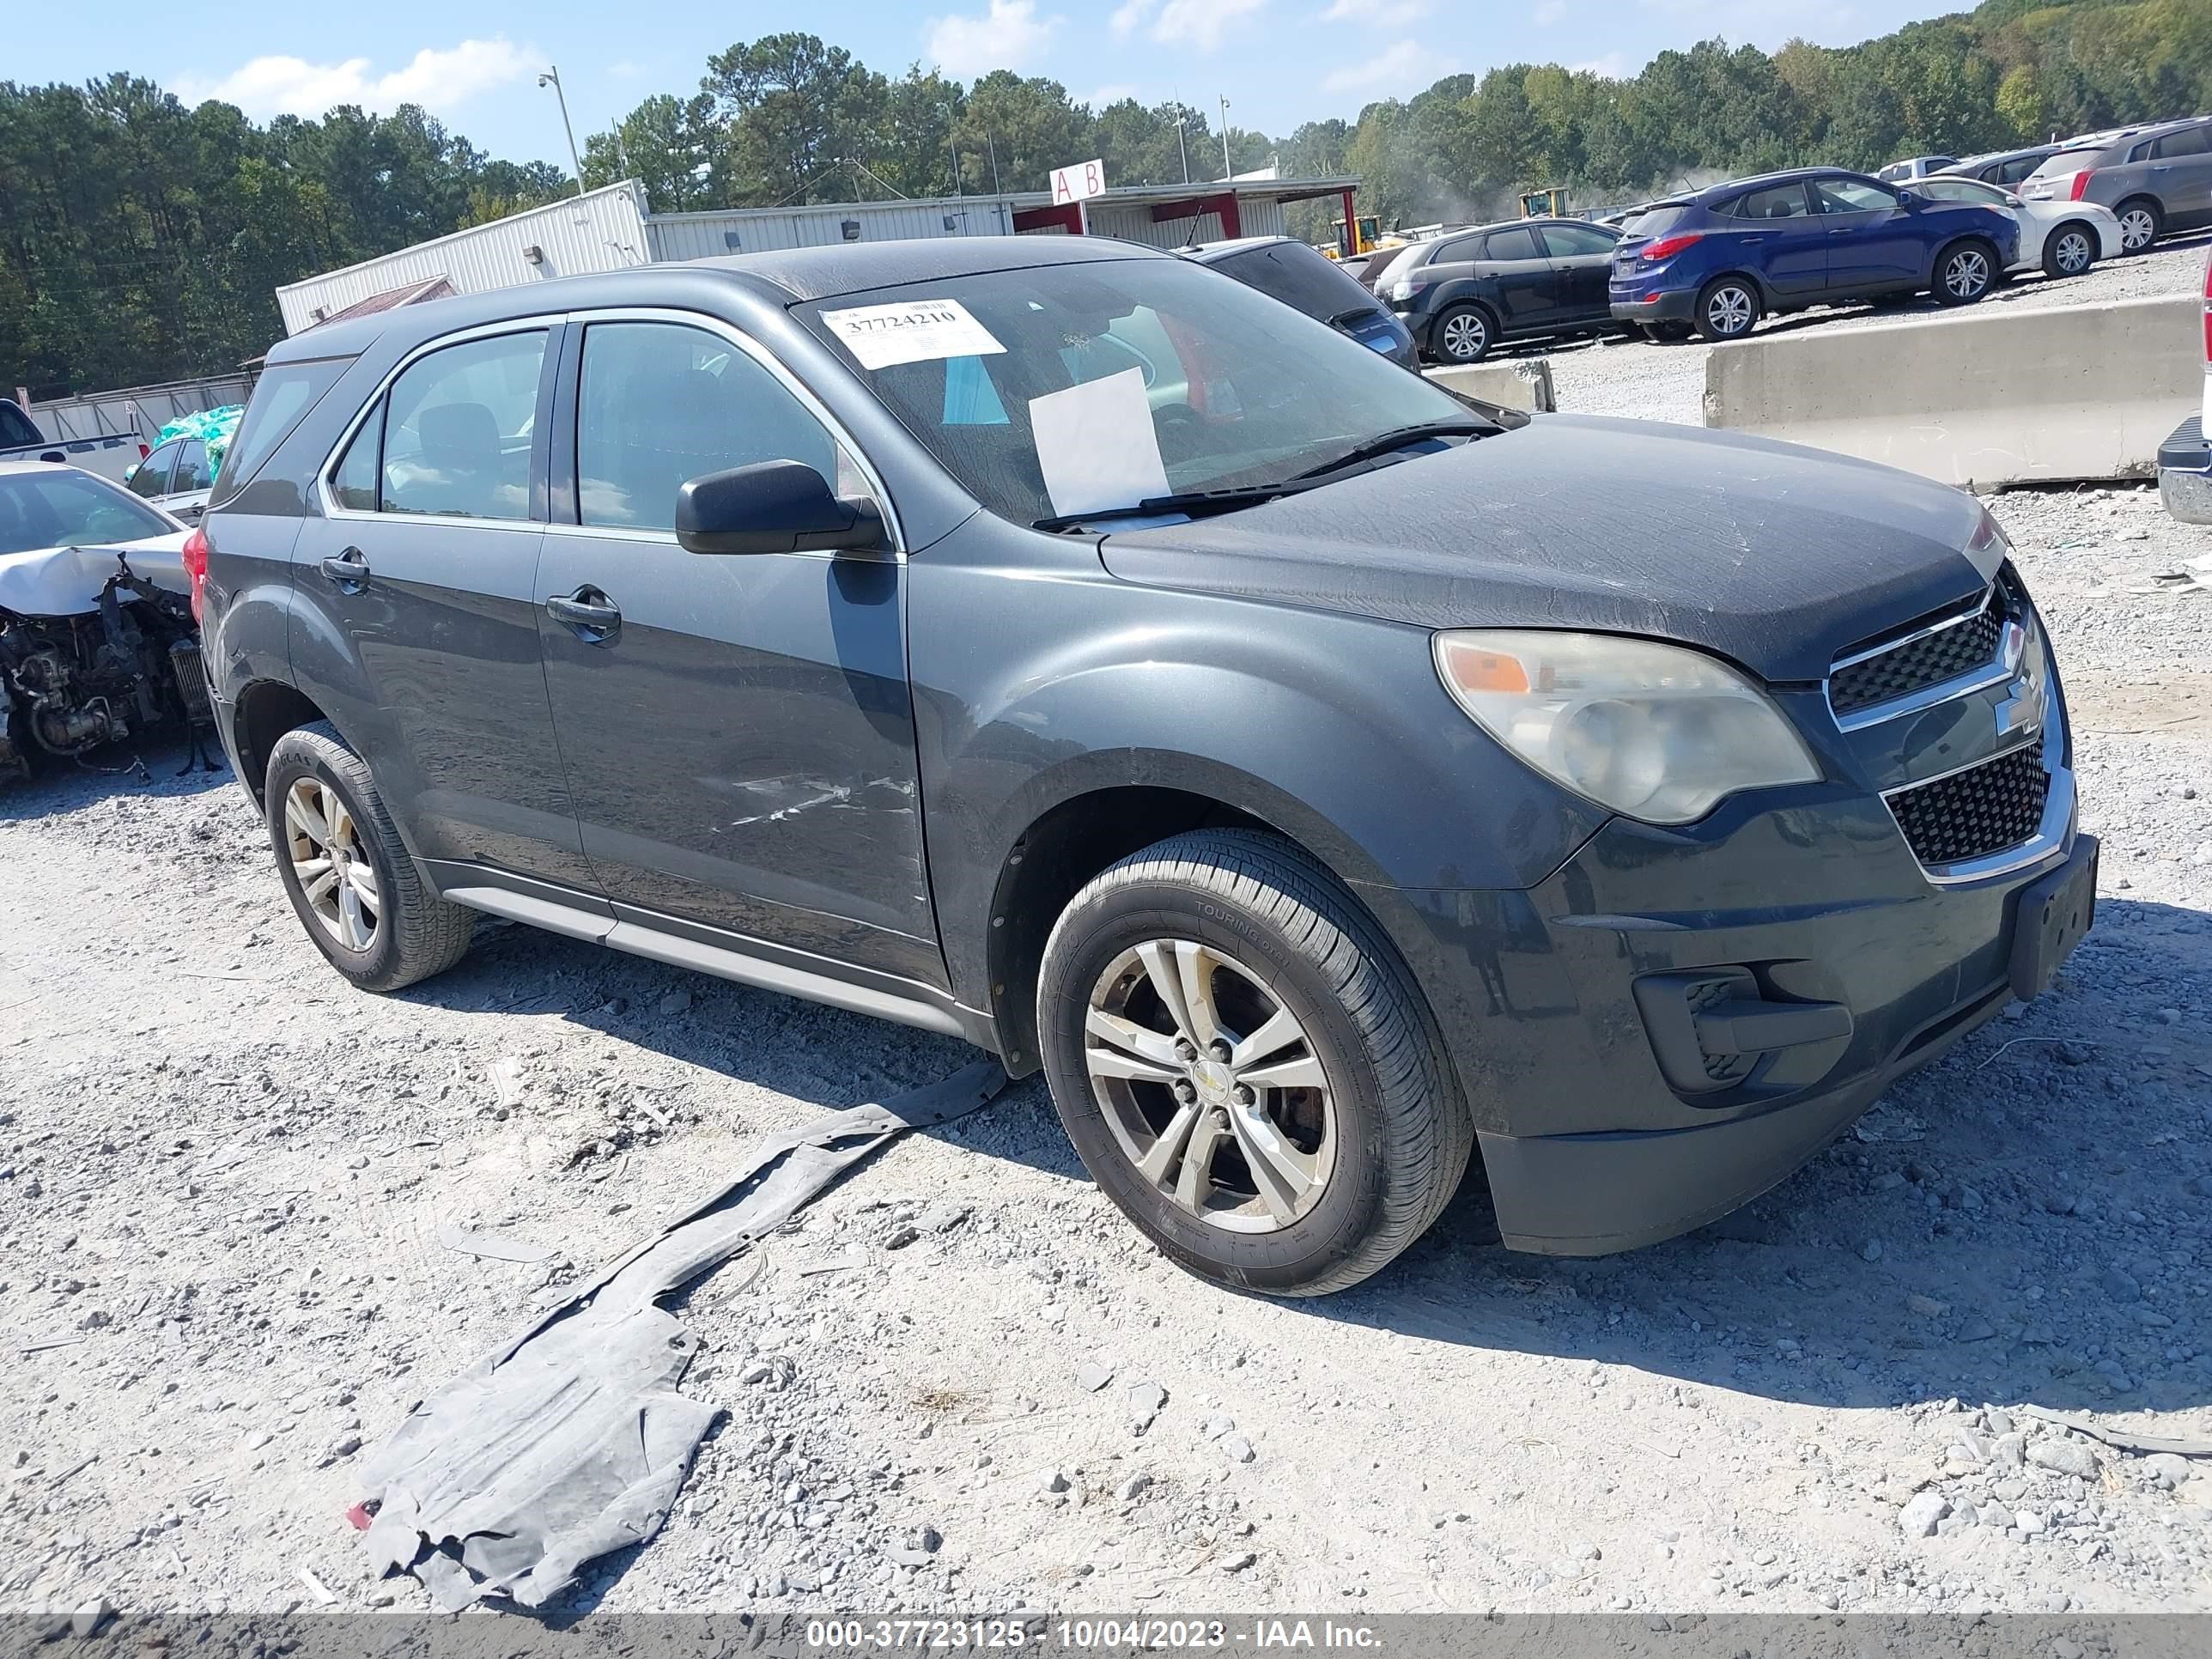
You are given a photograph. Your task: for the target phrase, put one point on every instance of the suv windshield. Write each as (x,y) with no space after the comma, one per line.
(1067,388)
(63,507)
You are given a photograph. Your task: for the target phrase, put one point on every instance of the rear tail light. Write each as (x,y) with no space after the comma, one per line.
(143,451)
(2208,316)
(2081,184)
(1668,246)
(195,563)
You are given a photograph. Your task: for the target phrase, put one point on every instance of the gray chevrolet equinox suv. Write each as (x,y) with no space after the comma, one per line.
(1062,645)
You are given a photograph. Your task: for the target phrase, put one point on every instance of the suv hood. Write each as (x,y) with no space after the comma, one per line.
(1775,556)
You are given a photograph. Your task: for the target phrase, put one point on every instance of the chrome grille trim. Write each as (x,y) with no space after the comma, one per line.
(2011,643)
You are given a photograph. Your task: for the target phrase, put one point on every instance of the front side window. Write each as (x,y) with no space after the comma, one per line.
(16,428)
(1851,196)
(1775,201)
(457,430)
(658,404)
(994,371)
(151,478)
(1515,244)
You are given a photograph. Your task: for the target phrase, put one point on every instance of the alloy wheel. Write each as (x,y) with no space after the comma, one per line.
(1466,336)
(1729,311)
(335,873)
(2136,228)
(1210,1086)
(2072,253)
(1966,273)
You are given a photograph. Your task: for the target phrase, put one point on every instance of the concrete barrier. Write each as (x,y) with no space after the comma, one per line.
(1526,384)
(1987,396)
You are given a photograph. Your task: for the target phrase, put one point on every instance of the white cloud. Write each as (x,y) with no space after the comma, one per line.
(1614,66)
(1199,23)
(1104,95)
(1389,13)
(1549,12)
(1405,64)
(1004,37)
(439,81)
(1129,17)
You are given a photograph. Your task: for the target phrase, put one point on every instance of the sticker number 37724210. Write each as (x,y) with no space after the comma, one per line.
(910,331)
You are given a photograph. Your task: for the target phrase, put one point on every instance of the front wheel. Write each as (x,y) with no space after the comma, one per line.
(1464,335)
(2141,222)
(1727,309)
(1965,272)
(2070,250)
(1244,1066)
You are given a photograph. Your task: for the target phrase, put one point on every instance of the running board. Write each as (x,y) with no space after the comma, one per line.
(718,960)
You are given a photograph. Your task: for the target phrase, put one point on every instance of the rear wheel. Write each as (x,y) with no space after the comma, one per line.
(1464,335)
(1965,272)
(2069,249)
(1244,1065)
(346,871)
(2140,221)
(1727,309)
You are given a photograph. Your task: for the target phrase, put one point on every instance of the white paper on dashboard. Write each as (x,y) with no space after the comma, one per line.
(1096,444)
(911,331)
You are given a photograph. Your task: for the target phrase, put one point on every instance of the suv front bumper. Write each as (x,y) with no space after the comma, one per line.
(2184,473)
(1798,940)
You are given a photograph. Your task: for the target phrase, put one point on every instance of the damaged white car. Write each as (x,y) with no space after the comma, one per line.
(97,637)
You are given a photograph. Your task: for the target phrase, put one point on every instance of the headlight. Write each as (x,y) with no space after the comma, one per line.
(1653,731)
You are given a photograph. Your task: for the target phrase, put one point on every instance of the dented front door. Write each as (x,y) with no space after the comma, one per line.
(737,730)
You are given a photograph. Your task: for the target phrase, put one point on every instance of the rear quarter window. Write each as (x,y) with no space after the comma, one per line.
(280,400)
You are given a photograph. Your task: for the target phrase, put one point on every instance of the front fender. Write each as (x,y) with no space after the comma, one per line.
(1331,728)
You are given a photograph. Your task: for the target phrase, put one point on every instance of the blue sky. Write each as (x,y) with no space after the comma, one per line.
(1279,62)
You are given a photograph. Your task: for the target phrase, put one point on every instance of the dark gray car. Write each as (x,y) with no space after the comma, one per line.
(1043,641)
(2156,179)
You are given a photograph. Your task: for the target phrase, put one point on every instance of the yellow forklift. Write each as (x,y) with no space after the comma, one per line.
(1544,204)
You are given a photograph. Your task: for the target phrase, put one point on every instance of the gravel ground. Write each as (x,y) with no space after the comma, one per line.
(224,1177)
(1668,382)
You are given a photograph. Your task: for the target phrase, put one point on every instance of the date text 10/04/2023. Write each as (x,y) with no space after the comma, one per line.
(1085,1635)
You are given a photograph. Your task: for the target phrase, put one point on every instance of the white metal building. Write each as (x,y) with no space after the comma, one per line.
(610,229)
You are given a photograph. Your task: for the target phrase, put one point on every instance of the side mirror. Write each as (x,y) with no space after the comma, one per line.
(1906,198)
(772,507)
(2013,201)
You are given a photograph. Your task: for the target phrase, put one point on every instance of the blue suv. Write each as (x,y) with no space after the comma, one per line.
(1719,260)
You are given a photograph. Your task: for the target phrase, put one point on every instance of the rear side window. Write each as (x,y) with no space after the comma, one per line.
(1775,201)
(1299,277)
(1575,242)
(1515,244)
(660,403)
(2190,141)
(192,468)
(457,430)
(16,428)
(282,397)
(152,476)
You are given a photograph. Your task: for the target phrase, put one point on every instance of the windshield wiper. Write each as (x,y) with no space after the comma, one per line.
(1398,438)
(1192,501)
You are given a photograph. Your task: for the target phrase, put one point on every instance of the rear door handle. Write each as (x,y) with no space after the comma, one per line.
(349,570)
(590,612)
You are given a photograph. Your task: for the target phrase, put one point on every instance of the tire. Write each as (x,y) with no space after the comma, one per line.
(1965,271)
(2070,250)
(1727,309)
(2142,221)
(1463,334)
(1382,1139)
(411,932)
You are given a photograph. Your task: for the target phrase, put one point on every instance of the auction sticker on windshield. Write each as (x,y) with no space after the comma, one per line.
(910,331)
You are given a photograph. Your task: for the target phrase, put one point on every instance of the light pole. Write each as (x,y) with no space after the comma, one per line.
(1183,143)
(952,148)
(552,78)
(1226,169)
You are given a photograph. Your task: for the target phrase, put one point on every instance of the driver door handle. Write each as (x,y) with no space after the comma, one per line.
(591,613)
(349,570)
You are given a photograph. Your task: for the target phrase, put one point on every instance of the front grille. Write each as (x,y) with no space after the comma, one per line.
(1972,814)
(1915,665)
